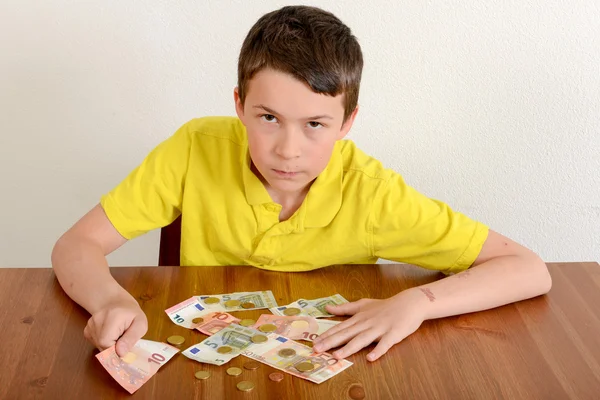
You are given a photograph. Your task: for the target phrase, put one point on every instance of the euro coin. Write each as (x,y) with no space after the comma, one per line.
(247,322)
(292,311)
(234,371)
(198,320)
(251,365)
(259,339)
(286,353)
(202,375)
(224,350)
(232,303)
(276,376)
(245,386)
(176,340)
(266,328)
(211,300)
(248,305)
(305,366)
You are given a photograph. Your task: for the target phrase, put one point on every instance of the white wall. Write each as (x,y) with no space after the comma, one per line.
(492,106)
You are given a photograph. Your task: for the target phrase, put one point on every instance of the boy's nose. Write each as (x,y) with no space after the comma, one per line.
(288,147)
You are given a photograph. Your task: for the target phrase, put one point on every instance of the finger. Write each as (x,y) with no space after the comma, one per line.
(339,327)
(90,330)
(360,341)
(386,343)
(346,308)
(86,333)
(340,337)
(135,332)
(109,329)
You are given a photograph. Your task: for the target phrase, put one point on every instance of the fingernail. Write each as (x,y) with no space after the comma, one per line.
(371,357)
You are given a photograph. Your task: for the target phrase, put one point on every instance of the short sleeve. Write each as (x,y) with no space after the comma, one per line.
(411,228)
(150,197)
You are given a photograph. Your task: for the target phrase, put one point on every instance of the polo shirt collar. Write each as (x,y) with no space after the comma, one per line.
(324,197)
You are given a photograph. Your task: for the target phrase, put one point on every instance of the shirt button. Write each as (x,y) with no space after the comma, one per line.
(272,207)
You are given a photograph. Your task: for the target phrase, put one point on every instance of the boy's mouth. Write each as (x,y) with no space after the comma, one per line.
(285,174)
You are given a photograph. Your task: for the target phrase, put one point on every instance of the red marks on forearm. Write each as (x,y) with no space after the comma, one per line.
(428,293)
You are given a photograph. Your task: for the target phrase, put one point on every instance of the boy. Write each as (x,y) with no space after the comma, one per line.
(277,188)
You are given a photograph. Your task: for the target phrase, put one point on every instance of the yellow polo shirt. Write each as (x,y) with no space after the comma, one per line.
(356,211)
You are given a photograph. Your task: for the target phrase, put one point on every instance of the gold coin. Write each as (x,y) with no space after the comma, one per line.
(259,339)
(232,303)
(129,358)
(224,350)
(305,366)
(234,371)
(247,322)
(176,340)
(211,300)
(300,324)
(266,328)
(202,375)
(251,365)
(197,320)
(291,311)
(248,305)
(286,353)
(245,386)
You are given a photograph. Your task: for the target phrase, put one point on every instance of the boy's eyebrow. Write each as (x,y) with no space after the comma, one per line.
(271,111)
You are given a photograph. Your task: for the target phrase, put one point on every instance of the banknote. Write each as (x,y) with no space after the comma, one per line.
(297,327)
(214,322)
(309,308)
(224,345)
(137,366)
(239,301)
(183,313)
(292,357)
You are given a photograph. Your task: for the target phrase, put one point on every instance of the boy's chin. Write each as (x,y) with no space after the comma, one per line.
(289,186)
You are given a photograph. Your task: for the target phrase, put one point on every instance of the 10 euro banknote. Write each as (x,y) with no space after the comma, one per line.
(138,365)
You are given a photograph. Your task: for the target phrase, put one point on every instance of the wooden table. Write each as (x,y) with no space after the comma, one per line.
(543,348)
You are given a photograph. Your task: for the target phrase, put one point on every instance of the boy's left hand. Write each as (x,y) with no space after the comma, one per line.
(389,321)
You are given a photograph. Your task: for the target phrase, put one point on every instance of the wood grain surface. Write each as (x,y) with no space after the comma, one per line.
(543,348)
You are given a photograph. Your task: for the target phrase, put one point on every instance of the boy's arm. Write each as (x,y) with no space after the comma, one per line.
(504,272)
(79,261)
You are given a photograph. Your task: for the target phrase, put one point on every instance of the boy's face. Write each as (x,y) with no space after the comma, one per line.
(291,129)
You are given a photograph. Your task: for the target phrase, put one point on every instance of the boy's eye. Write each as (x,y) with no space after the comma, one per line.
(268,117)
(314,124)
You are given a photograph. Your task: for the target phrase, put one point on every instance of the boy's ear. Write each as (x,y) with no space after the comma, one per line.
(239,108)
(346,126)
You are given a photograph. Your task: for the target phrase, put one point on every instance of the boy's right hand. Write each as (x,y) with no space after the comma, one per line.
(121,322)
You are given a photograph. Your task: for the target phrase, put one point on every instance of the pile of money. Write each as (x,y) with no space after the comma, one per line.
(269,340)
(139,365)
(239,301)
(309,308)
(298,327)
(226,344)
(211,323)
(296,359)
(184,313)
(269,348)
(196,307)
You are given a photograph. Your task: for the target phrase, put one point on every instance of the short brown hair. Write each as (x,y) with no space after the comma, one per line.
(308,43)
